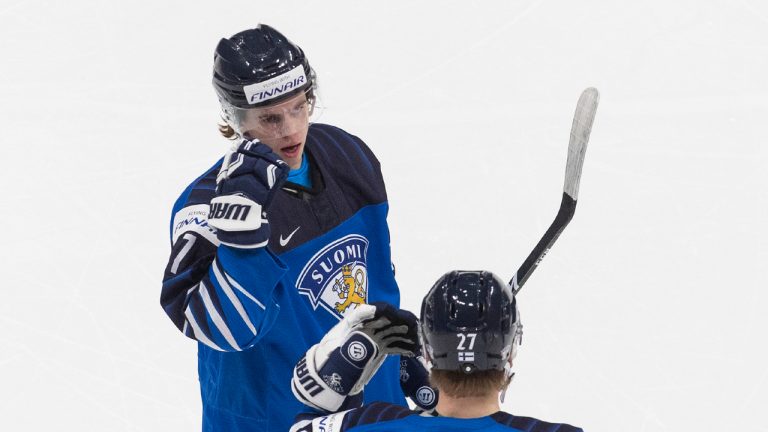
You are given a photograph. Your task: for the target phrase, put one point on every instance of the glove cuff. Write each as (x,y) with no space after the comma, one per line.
(239,221)
(326,382)
(310,389)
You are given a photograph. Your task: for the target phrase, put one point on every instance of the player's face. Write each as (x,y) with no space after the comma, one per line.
(283,127)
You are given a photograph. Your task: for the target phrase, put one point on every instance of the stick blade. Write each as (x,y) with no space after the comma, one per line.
(583,119)
(586,108)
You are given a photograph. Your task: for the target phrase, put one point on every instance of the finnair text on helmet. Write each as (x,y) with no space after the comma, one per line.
(275,87)
(277,91)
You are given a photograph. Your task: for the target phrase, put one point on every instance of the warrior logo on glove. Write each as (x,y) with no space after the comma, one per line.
(250,176)
(357,351)
(425,396)
(336,278)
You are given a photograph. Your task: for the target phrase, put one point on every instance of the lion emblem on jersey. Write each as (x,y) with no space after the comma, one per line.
(350,288)
(336,277)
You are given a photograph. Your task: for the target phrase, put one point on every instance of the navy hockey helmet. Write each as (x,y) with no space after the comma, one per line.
(259,67)
(470,322)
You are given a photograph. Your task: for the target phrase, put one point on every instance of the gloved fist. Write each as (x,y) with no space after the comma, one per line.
(395,331)
(250,176)
(337,368)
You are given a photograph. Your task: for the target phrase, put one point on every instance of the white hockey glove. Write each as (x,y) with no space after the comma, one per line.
(342,363)
(250,176)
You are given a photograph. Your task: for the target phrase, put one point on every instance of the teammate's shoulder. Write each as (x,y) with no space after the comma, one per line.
(377,412)
(530,424)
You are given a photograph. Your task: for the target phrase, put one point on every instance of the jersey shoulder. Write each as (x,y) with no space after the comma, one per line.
(529,424)
(331,143)
(376,412)
(199,191)
(191,208)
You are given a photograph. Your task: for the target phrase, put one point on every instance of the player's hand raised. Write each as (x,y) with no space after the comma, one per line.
(341,364)
(395,331)
(250,176)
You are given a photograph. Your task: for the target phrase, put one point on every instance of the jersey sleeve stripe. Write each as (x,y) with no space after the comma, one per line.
(242,290)
(227,288)
(199,334)
(216,317)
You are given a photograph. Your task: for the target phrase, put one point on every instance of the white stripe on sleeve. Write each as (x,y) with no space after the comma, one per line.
(232,296)
(218,321)
(242,290)
(198,332)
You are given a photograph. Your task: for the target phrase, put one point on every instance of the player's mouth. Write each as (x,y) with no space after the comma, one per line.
(291,151)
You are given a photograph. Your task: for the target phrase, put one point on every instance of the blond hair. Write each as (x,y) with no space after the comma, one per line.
(226,130)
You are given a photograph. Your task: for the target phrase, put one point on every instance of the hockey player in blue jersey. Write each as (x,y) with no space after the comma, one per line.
(276,242)
(470,329)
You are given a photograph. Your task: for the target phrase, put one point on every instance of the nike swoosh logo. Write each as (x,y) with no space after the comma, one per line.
(284,241)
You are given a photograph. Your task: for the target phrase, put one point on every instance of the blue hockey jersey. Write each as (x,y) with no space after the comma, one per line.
(255,312)
(384,417)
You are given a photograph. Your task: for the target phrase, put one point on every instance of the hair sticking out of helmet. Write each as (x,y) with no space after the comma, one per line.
(257,68)
(470,322)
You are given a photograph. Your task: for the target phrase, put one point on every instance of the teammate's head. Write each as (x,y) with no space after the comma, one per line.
(266,89)
(470,328)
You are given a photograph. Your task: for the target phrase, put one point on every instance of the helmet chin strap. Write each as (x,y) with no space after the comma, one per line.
(508,375)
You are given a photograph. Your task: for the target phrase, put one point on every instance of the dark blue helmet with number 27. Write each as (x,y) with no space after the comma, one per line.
(259,67)
(470,322)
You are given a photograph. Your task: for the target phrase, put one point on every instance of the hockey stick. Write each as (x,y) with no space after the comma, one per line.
(577,147)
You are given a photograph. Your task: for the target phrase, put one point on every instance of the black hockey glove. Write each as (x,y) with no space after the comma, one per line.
(395,331)
(414,381)
(250,176)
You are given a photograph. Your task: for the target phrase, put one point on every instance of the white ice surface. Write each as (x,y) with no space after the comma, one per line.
(647,315)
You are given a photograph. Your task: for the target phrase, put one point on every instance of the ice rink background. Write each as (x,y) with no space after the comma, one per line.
(647,315)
